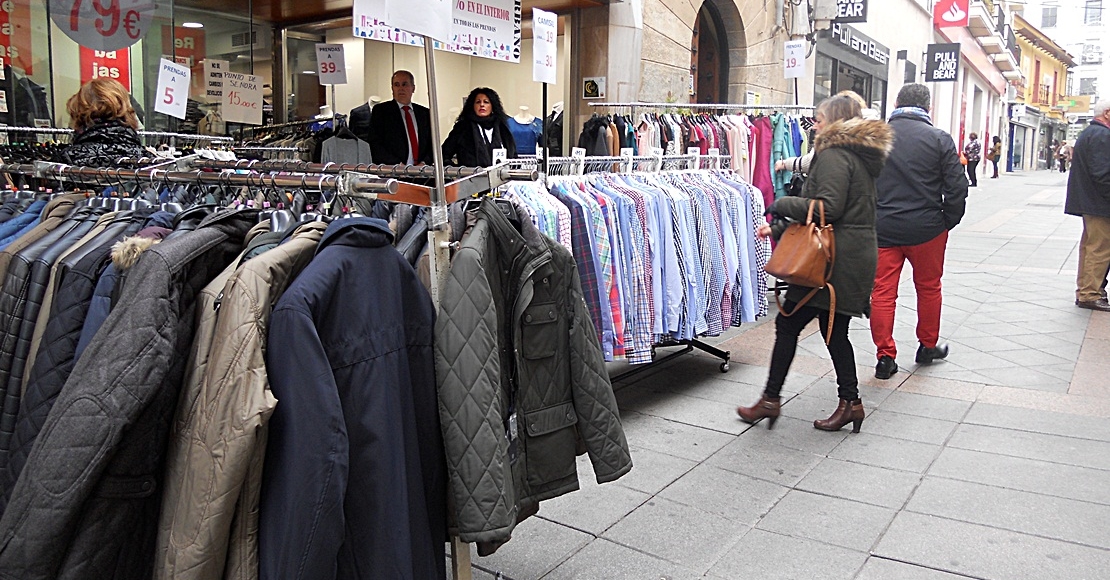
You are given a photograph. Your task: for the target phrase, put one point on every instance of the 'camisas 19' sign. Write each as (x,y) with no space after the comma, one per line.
(103,24)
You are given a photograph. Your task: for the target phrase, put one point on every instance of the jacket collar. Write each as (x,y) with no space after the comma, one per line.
(363,232)
(915,113)
(510,241)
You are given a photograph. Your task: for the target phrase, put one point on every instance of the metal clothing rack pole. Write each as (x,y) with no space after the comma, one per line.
(66,131)
(296,123)
(716,106)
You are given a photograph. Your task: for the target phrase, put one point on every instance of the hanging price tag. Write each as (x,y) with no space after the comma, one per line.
(103,24)
(330,64)
(242,100)
(794,59)
(545,31)
(172,93)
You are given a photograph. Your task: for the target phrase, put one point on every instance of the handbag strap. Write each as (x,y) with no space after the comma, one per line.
(820,210)
(806,298)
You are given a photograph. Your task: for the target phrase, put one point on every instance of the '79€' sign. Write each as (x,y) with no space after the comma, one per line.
(103,24)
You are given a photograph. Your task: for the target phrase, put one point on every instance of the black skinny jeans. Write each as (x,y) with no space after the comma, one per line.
(972,176)
(787,330)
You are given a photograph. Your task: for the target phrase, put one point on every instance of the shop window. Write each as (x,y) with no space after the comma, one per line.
(911,73)
(1091,53)
(822,78)
(878,97)
(1048,17)
(1093,12)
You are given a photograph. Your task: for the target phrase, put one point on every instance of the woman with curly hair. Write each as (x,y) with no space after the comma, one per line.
(104,124)
(482,126)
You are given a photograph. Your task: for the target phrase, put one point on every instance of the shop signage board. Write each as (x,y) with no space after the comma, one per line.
(794,59)
(851,11)
(112,64)
(545,34)
(91,24)
(860,42)
(942,62)
(214,79)
(242,100)
(489,29)
(949,13)
(331,64)
(172,94)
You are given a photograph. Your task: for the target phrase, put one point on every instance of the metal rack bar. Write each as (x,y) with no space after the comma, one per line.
(338,116)
(726,106)
(65,131)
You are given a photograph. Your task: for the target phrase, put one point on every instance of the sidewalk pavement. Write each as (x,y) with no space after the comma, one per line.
(991,464)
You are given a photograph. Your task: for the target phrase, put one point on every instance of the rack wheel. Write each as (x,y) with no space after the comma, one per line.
(724,367)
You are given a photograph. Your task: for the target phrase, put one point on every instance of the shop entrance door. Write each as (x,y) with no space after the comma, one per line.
(709,66)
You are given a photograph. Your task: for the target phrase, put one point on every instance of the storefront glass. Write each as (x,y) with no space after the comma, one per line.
(822,78)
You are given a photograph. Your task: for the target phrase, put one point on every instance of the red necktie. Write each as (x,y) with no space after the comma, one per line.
(414,145)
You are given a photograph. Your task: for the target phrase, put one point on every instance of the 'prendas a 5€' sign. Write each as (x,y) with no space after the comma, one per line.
(242,98)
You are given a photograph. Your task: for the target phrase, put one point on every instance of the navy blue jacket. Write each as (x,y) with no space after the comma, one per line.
(355,481)
(1089,180)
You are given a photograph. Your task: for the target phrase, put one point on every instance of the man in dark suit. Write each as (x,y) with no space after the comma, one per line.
(395,125)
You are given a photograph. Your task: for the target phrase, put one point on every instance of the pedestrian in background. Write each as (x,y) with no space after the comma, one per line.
(973,151)
(1063,155)
(850,152)
(1089,197)
(995,154)
(922,191)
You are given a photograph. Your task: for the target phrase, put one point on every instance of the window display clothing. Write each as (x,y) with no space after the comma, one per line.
(526,135)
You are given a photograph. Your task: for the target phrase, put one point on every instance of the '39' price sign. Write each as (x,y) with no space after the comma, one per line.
(103,24)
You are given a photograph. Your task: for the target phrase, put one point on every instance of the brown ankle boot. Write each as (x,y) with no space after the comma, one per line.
(765,407)
(846,412)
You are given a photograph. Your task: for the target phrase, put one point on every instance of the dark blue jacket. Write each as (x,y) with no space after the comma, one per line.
(1089,180)
(355,481)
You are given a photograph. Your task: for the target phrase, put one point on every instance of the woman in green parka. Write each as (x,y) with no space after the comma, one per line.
(850,154)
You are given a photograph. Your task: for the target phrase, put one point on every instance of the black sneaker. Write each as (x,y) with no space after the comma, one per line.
(928,355)
(885,368)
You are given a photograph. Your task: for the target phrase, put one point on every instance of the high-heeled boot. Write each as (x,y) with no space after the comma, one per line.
(846,412)
(766,407)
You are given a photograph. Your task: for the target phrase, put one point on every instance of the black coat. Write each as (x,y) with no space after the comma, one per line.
(359,122)
(103,144)
(86,504)
(388,135)
(466,146)
(1089,181)
(923,188)
(354,485)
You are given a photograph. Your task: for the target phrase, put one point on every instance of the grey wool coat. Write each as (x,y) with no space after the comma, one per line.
(850,155)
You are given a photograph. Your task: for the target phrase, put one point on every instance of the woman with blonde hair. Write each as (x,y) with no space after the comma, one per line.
(104,125)
(849,154)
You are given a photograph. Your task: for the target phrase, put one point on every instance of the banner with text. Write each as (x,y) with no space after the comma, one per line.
(242,98)
(489,29)
(851,11)
(942,62)
(794,59)
(545,46)
(112,64)
(331,64)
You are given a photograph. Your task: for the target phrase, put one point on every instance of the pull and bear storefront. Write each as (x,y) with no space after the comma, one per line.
(850,60)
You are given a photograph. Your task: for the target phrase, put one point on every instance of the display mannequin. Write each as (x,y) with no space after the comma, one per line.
(524,117)
(555,130)
(325,112)
(527,131)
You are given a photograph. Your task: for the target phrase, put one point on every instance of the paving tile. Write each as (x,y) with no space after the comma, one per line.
(725,493)
(926,406)
(862,483)
(972,359)
(1019,511)
(990,344)
(831,520)
(1029,399)
(797,434)
(1054,479)
(881,569)
(753,455)
(911,427)
(985,552)
(1052,448)
(886,452)
(1039,421)
(694,411)
(594,508)
(652,470)
(948,388)
(1027,378)
(671,437)
(605,560)
(536,548)
(681,534)
(765,555)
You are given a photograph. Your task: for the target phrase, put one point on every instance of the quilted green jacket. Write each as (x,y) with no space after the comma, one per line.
(522,383)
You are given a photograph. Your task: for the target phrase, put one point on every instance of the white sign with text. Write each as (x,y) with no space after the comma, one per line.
(172,94)
(331,64)
(242,98)
(545,34)
(794,59)
(214,79)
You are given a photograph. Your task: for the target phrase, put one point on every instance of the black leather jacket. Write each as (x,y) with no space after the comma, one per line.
(103,144)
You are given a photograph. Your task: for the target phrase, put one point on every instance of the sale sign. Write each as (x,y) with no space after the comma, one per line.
(545,32)
(103,24)
(187,47)
(794,59)
(113,64)
(330,64)
(948,13)
(172,95)
(242,98)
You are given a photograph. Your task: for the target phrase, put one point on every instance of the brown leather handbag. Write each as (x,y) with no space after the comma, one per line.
(804,256)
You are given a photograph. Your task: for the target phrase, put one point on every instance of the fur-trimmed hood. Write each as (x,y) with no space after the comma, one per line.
(868,139)
(127,252)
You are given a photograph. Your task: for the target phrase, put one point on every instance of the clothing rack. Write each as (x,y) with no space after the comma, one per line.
(335,117)
(628,163)
(162,134)
(709,106)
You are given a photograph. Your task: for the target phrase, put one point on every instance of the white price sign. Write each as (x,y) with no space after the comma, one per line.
(3,101)
(545,32)
(242,98)
(214,79)
(330,64)
(103,24)
(794,59)
(173,89)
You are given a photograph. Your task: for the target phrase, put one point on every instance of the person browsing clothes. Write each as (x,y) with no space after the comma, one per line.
(481,127)
(104,125)
(850,153)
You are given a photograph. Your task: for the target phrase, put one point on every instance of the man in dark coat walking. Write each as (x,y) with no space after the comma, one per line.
(1089,197)
(922,190)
